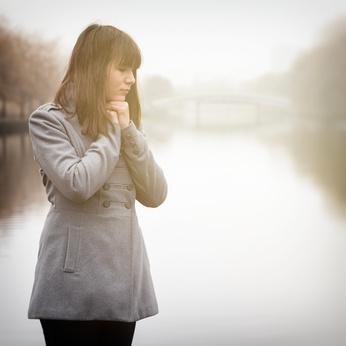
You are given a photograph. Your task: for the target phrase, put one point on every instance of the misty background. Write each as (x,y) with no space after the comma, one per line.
(244,107)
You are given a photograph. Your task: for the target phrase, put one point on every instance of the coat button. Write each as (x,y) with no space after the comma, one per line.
(127,205)
(106,204)
(106,186)
(130,187)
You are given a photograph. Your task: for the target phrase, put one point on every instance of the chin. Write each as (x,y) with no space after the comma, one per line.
(116,98)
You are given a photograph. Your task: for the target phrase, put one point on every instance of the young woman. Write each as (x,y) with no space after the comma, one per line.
(92,278)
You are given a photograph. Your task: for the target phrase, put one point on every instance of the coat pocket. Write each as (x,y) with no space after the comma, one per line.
(72,248)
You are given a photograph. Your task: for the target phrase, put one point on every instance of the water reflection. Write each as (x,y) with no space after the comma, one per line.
(19,185)
(245,251)
(318,153)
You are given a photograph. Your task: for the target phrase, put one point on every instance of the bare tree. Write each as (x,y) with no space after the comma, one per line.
(7,65)
(29,69)
(318,76)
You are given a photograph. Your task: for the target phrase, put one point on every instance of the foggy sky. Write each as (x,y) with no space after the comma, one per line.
(189,41)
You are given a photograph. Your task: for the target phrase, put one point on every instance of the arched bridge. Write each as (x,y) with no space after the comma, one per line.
(259,102)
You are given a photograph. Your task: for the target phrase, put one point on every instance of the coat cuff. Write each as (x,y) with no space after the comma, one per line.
(133,141)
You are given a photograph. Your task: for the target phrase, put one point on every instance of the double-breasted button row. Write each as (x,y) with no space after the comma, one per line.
(106,186)
(107,204)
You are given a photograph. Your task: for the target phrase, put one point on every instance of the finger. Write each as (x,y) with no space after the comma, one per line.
(113,106)
(111,111)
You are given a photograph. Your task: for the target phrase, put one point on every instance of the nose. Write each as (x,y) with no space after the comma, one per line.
(130,79)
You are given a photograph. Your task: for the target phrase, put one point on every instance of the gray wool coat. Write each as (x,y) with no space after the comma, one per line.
(92,262)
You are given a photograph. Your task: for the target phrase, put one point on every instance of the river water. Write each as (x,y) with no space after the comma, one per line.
(247,250)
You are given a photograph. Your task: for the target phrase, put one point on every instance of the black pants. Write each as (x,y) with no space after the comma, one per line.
(96,333)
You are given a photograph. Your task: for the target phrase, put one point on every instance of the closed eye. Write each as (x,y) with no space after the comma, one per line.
(123,69)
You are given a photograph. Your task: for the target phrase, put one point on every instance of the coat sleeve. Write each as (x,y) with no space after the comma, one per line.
(77,178)
(147,175)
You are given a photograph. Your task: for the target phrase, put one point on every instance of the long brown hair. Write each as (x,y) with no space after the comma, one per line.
(84,84)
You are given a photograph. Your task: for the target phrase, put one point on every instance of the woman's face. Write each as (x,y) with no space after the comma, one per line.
(119,82)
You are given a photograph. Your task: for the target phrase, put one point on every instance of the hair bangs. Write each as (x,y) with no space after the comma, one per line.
(127,53)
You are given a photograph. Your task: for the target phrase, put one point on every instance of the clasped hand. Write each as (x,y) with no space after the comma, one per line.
(118,109)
